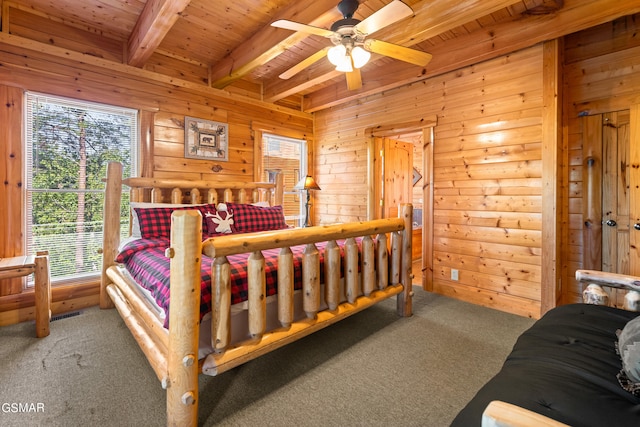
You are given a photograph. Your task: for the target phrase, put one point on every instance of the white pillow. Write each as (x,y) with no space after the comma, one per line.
(629,349)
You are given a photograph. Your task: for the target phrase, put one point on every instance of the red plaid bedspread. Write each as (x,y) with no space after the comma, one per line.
(146,262)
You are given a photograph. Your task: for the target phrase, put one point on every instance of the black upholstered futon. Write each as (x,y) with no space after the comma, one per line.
(564,367)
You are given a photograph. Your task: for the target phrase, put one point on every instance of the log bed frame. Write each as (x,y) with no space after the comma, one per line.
(173,353)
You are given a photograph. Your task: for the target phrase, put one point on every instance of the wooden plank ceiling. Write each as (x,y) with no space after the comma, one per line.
(235,45)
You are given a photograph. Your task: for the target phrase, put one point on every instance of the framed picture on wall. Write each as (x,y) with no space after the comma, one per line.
(204,139)
(416,176)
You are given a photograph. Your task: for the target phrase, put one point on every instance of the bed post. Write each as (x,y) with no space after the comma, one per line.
(184,318)
(111,227)
(404,299)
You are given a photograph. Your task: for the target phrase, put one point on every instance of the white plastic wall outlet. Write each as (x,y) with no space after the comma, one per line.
(454,274)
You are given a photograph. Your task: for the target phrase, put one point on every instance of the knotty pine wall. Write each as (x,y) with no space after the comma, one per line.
(487,171)
(601,75)
(163,103)
(487,162)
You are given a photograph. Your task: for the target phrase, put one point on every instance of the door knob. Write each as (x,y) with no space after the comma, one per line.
(636,226)
(612,223)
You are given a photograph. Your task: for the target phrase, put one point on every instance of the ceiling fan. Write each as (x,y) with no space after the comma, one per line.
(351,48)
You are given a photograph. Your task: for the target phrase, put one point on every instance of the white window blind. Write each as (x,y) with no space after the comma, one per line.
(68,146)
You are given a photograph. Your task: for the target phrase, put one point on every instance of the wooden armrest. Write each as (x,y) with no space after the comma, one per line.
(17,266)
(502,414)
(604,278)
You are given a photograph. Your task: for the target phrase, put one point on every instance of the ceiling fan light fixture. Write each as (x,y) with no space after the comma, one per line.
(360,57)
(352,50)
(337,54)
(345,65)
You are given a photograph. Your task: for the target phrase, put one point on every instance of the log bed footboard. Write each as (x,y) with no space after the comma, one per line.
(369,277)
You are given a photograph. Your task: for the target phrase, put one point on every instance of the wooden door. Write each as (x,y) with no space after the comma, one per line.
(396,176)
(612,202)
(615,192)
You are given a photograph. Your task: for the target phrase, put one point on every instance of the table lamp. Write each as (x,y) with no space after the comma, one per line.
(307,183)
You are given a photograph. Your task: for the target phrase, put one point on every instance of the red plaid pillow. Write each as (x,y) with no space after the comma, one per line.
(156,222)
(250,218)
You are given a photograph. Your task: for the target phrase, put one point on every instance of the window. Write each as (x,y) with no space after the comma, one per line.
(289,157)
(68,145)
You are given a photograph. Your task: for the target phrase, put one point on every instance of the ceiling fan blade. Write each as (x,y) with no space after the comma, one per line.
(354,79)
(393,12)
(304,64)
(296,26)
(395,51)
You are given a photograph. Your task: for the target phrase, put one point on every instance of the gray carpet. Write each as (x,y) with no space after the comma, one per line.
(373,369)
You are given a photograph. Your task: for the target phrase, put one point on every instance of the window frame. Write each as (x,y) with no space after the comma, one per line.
(286,136)
(134,134)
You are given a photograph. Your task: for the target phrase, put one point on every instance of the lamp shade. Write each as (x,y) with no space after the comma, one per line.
(345,65)
(360,56)
(307,183)
(336,54)
(347,58)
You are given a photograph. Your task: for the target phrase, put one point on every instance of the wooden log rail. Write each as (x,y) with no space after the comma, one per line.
(594,292)
(358,281)
(155,190)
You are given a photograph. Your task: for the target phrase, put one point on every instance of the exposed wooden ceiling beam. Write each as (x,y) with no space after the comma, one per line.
(270,42)
(155,21)
(432,17)
(480,46)
(545,7)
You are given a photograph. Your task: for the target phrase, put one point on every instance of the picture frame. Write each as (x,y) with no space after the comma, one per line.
(416,176)
(206,139)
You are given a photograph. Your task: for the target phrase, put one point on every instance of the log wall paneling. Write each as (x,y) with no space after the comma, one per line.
(11,192)
(487,170)
(599,78)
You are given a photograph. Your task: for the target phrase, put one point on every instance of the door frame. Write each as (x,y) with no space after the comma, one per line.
(426,126)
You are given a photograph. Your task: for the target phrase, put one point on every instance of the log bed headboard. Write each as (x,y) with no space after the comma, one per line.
(158,190)
(155,190)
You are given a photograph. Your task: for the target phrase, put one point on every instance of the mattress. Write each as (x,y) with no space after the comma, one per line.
(144,264)
(145,261)
(564,367)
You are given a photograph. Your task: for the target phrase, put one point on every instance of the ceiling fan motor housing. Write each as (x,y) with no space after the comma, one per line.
(348,7)
(347,22)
